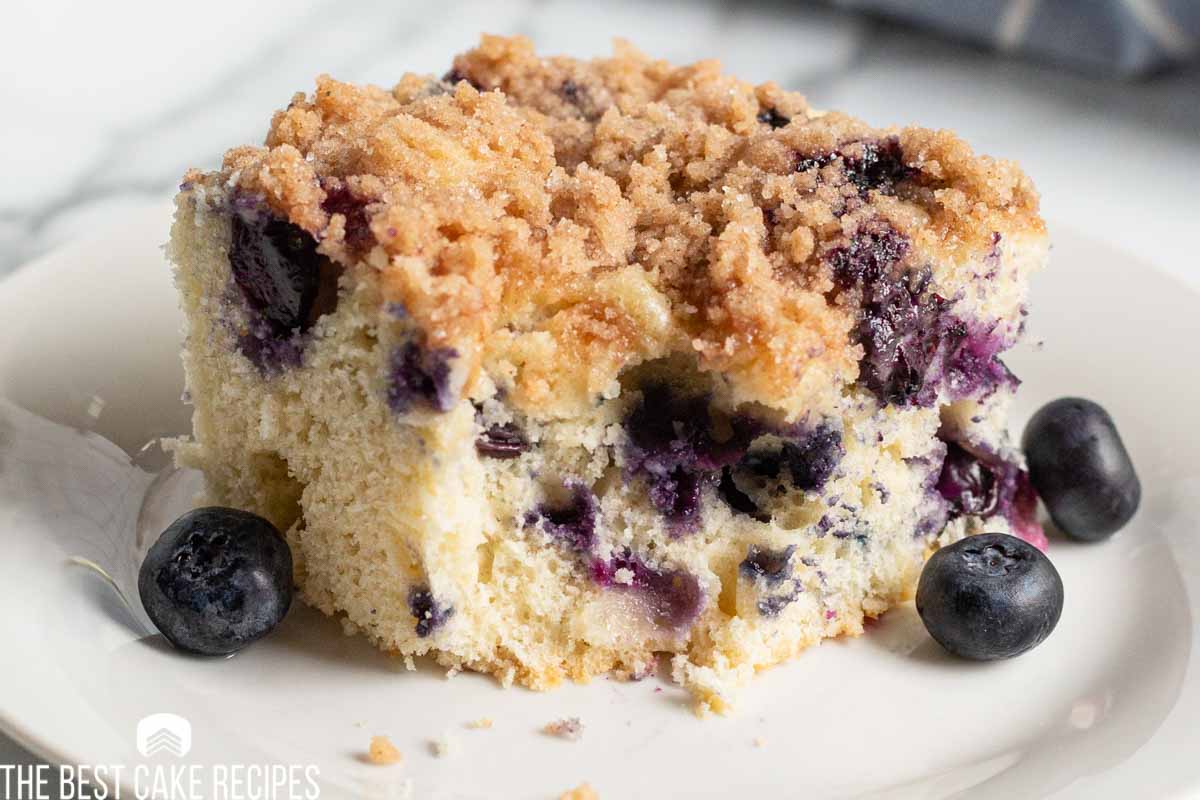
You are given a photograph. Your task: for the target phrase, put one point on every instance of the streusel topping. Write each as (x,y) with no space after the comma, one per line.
(556,221)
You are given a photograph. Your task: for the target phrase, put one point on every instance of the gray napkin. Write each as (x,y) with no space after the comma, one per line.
(1110,37)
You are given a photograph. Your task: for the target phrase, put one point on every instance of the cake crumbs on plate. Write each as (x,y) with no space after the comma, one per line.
(583,791)
(569,728)
(444,746)
(481,724)
(383,752)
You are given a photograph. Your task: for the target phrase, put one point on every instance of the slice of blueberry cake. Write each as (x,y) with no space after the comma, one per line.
(550,366)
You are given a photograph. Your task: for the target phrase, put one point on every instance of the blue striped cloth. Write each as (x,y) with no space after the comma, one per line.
(1112,37)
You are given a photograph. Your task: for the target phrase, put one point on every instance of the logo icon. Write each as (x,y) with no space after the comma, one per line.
(164,733)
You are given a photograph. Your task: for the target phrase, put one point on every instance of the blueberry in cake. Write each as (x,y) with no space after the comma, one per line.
(549,366)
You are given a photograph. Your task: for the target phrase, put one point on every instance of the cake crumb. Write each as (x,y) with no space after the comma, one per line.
(383,752)
(569,728)
(583,791)
(760,741)
(444,746)
(623,576)
(481,724)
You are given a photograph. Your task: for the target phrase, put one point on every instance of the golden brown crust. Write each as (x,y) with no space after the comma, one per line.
(556,221)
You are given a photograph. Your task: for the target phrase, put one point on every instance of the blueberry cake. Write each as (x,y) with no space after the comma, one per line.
(549,367)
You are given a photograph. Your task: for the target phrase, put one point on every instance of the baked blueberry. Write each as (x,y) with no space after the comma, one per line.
(420,376)
(429,613)
(216,580)
(573,522)
(673,446)
(989,597)
(1080,468)
(674,596)
(277,267)
(501,441)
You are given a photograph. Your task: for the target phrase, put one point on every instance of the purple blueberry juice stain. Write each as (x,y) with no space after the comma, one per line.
(806,459)
(913,347)
(970,486)
(772,566)
(879,167)
(772,572)
(674,596)
(673,448)
(574,523)
(429,613)
(270,350)
(420,377)
(984,484)
(812,458)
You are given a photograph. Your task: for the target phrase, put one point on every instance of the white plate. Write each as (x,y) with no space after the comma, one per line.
(1108,706)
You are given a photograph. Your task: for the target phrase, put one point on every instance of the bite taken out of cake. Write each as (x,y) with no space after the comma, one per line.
(547,367)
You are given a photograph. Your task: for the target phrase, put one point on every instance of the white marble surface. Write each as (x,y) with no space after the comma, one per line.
(105,104)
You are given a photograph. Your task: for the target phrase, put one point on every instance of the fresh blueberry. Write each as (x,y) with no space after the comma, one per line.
(1081,469)
(216,580)
(989,597)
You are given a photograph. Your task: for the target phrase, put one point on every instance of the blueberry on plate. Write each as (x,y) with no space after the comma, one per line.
(216,580)
(1080,468)
(989,597)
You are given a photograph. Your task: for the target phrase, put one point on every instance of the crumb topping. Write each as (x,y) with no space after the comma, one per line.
(555,221)
(444,746)
(569,728)
(383,752)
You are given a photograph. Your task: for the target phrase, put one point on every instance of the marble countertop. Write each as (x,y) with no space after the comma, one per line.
(106,104)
